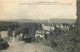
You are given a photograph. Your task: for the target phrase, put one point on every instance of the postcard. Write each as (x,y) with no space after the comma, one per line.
(39,26)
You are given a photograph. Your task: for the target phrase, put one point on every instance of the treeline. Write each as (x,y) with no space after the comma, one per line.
(5,25)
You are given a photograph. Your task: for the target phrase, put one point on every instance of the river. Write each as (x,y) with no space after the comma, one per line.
(16,46)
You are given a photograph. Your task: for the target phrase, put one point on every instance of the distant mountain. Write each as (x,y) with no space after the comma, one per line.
(62,20)
(28,20)
(54,20)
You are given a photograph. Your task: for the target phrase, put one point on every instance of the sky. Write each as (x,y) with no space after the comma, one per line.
(30,9)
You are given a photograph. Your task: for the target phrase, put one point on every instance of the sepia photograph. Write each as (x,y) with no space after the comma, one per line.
(39,25)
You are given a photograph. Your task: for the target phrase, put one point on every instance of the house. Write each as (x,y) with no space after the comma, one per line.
(62,27)
(48,27)
(45,27)
(39,33)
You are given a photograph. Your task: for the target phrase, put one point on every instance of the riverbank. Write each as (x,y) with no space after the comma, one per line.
(16,46)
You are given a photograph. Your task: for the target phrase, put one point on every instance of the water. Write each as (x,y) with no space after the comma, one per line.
(16,46)
(20,46)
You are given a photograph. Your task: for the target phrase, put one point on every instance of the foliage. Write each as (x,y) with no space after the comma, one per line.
(1,40)
(70,40)
(5,25)
(39,39)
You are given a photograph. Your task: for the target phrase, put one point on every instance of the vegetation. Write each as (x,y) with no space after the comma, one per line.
(28,29)
(5,25)
(69,41)
(3,44)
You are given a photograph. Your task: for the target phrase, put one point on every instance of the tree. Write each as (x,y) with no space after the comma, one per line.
(71,41)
